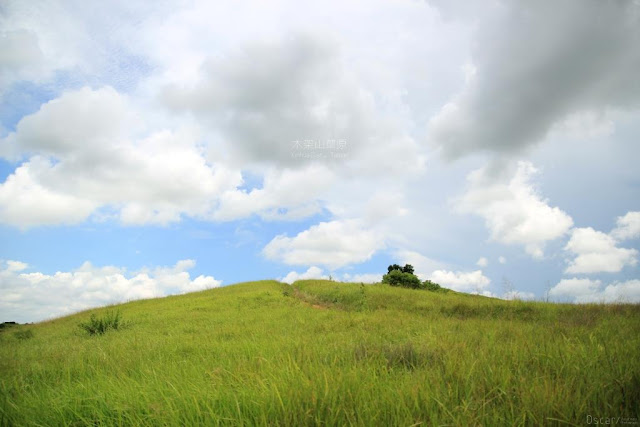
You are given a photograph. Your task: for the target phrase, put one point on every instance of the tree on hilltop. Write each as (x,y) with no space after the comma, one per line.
(408,268)
(406,278)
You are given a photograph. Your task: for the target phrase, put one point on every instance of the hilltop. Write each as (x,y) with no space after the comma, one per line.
(322,352)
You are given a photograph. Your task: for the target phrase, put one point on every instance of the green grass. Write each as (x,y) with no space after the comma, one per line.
(327,353)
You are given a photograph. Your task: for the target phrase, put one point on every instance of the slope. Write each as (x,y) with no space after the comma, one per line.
(320,352)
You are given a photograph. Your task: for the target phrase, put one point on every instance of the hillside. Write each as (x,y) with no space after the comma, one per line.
(323,352)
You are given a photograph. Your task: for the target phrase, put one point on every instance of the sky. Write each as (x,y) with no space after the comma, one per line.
(157,148)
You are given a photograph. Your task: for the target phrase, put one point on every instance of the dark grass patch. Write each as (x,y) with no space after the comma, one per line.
(398,356)
(24,334)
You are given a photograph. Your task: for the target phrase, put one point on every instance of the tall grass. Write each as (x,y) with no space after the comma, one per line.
(321,352)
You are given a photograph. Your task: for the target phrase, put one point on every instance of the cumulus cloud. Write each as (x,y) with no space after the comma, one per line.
(597,252)
(575,288)
(92,152)
(34,296)
(333,244)
(587,290)
(85,156)
(362,278)
(518,295)
(285,194)
(26,202)
(627,226)
(482,262)
(312,272)
(84,119)
(14,266)
(472,281)
(262,114)
(514,212)
(627,291)
(526,80)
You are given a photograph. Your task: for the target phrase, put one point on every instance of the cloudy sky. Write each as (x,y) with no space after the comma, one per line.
(153,148)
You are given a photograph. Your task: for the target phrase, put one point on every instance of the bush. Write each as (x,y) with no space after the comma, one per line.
(98,326)
(399,278)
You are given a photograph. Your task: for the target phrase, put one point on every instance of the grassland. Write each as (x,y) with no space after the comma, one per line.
(326,353)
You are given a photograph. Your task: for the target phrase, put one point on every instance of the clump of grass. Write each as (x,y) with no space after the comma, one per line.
(403,356)
(100,325)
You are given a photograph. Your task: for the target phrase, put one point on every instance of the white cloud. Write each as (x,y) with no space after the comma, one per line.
(26,201)
(587,290)
(36,296)
(461,281)
(628,292)
(514,212)
(81,120)
(575,288)
(285,194)
(15,266)
(518,295)
(502,260)
(333,244)
(627,226)
(85,158)
(362,278)
(312,272)
(509,295)
(482,262)
(597,252)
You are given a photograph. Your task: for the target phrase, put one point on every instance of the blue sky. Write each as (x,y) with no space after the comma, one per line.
(153,149)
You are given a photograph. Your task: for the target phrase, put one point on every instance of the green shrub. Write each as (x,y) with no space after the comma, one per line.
(98,326)
(399,278)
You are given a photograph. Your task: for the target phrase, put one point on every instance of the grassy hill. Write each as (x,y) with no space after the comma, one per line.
(320,352)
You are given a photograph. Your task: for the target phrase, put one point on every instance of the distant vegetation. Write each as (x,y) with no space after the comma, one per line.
(325,353)
(405,277)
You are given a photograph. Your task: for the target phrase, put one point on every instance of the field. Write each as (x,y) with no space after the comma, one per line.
(326,353)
